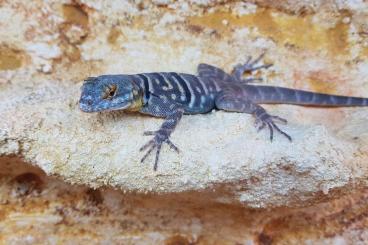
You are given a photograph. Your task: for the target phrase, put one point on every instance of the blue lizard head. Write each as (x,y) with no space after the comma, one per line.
(110,92)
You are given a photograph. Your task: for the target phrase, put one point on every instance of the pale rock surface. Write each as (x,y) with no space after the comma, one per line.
(102,149)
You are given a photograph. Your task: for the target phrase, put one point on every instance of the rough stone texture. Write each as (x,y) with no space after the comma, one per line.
(45,125)
(47,48)
(36,209)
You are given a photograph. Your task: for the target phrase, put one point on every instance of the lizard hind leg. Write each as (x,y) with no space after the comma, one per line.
(264,119)
(249,66)
(227,102)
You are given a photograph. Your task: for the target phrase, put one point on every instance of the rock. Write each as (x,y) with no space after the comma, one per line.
(36,208)
(102,149)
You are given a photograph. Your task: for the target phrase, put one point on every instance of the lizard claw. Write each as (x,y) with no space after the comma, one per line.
(160,137)
(249,66)
(172,146)
(279,119)
(264,119)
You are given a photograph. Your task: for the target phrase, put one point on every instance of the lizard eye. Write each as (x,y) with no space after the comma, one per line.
(109,92)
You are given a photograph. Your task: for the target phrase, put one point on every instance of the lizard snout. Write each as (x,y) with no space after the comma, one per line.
(89,102)
(86,105)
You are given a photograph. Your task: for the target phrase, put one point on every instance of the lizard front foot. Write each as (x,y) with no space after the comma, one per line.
(160,136)
(264,119)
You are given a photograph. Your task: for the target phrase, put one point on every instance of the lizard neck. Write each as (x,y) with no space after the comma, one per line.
(138,98)
(136,105)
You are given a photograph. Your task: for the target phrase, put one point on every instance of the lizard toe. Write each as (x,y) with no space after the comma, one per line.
(270,121)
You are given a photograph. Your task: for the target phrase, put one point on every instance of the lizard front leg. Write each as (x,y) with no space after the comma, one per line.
(227,101)
(172,116)
(209,72)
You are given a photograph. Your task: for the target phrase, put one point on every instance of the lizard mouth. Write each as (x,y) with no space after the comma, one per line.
(87,106)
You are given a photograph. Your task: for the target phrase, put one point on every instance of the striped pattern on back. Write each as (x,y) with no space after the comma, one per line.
(193,93)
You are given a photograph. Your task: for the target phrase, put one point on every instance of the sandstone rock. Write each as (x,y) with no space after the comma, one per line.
(36,208)
(102,150)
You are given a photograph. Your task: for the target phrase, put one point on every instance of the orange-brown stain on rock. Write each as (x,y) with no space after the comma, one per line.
(115,37)
(177,240)
(10,59)
(71,51)
(323,82)
(74,14)
(287,228)
(285,29)
(140,22)
(365,52)
(364,36)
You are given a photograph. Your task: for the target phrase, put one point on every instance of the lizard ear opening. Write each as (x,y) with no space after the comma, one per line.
(137,91)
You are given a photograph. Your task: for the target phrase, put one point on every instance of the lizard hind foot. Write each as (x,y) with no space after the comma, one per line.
(249,66)
(159,138)
(263,119)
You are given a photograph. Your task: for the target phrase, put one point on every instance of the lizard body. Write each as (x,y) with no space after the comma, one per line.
(170,95)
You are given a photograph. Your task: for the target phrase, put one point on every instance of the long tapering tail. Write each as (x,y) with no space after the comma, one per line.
(280,95)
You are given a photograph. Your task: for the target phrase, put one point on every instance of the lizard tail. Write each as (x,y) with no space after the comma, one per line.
(280,95)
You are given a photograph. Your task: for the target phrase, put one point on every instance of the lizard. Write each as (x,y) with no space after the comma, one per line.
(170,95)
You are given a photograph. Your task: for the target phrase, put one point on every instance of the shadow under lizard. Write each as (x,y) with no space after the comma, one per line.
(170,95)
